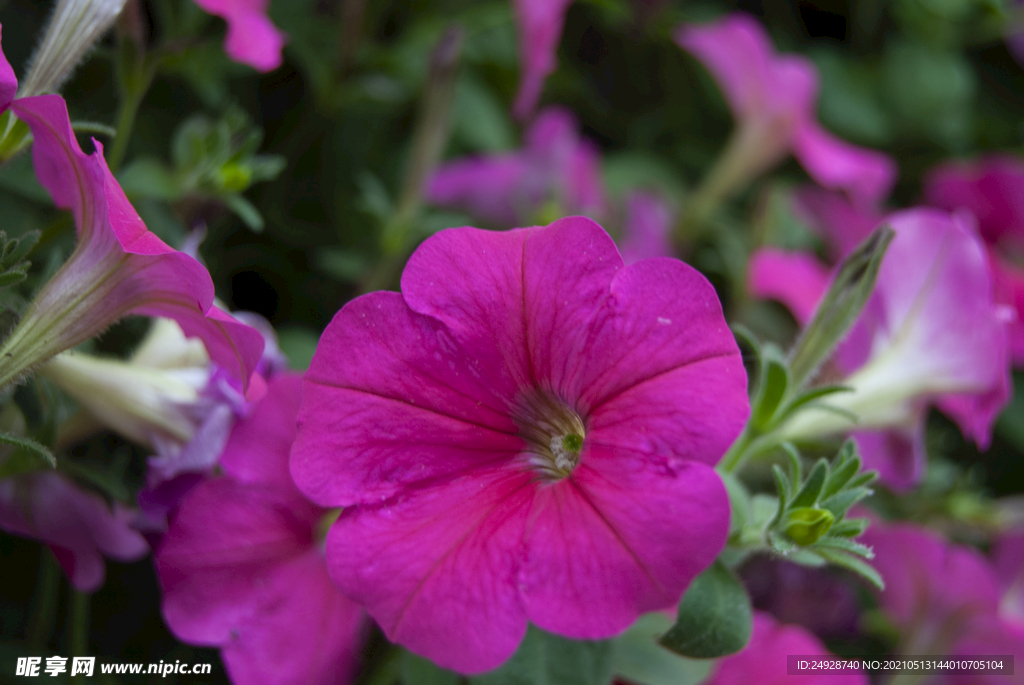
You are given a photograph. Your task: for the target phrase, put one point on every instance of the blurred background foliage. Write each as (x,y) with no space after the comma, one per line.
(295,174)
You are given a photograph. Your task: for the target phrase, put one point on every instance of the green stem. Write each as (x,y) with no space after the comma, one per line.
(127,112)
(78,628)
(44,612)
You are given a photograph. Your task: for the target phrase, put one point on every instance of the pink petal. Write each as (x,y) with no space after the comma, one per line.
(303,631)
(450,556)
(252,38)
(647,229)
(936,293)
(991,188)
(591,536)
(764,659)
(926,577)
(8,82)
(120,267)
(868,176)
(540,24)
(899,455)
(1009,290)
(796,279)
(78,525)
(222,544)
(739,54)
(380,384)
(250,455)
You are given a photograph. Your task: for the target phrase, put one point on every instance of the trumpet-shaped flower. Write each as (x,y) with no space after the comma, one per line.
(931,332)
(773,99)
(540,25)
(992,189)
(764,659)
(525,433)
(118,266)
(242,565)
(77,525)
(510,189)
(252,38)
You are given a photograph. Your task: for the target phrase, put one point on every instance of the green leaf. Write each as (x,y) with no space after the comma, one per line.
(808,494)
(842,304)
(772,388)
(149,177)
(419,671)
(638,658)
(845,468)
(841,503)
(28,455)
(853,563)
(845,545)
(546,659)
(808,396)
(850,528)
(714,616)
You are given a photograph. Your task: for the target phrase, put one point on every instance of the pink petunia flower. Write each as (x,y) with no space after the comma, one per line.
(510,189)
(764,659)
(773,99)
(931,333)
(540,24)
(252,38)
(77,525)
(242,566)
(991,188)
(944,598)
(118,266)
(525,433)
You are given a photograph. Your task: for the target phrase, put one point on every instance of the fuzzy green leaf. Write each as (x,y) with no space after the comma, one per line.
(714,616)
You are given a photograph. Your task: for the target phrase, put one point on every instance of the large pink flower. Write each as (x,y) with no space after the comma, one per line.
(510,189)
(242,567)
(764,659)
(930,333)
(525,433)
(992,189)
(252,38)
(774,98)
(77,525)
(118,267)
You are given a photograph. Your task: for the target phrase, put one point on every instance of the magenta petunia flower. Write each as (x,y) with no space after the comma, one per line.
(525,433)
(242,565)
(945,598)
(118,267)
(252,38)
(77,525)
(764,659)
(540,24)
(774,98)
(931,333)
(992,189)
(510,189)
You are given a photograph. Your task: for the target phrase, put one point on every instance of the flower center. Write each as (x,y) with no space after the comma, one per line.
(554,435)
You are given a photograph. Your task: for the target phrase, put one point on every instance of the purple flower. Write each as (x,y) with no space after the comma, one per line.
(944,598)
(243,569)
(525,433)
(118,266)
(773,98)
(931,332)
(764,659)
(510,189)
(77,525)
(252,38)
(540,25)
(992,189)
